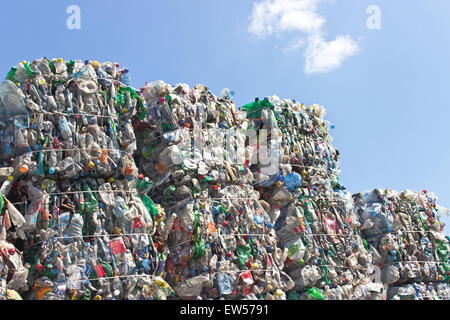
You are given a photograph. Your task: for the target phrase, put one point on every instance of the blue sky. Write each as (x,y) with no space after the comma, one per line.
(387,94)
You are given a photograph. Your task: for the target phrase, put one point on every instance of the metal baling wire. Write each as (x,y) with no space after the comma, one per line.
(258,269)
(229,271)
(336,199)
(72,192)
(219,271)
(313,234)
(414,261)
(108,234)
(93,236)
(255,270)
(224,271)
(436,296)
(127,276)
(153,276)
(76,149)
(310,234)
(64,114)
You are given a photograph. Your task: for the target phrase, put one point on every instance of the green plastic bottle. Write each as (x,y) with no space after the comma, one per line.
(316,293)
(30,73)
(11,73)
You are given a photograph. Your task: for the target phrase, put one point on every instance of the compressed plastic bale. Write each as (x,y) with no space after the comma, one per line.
(92,141)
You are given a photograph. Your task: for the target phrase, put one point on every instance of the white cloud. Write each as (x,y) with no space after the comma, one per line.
(323,56)
(294,45)
(272,16)
(305,21)
(277,16)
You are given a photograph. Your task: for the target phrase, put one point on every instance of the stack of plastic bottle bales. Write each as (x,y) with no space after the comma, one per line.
(170,192)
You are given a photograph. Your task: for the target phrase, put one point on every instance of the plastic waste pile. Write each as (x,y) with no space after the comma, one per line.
(170,192)
(405,229)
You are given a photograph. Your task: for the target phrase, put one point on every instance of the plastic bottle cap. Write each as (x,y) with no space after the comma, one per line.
(129,170)
(51,170)
(24,168)
(97,297)
(60,60)
(39,267)
(279,292)
(11,251)
(95,64)
(10,178)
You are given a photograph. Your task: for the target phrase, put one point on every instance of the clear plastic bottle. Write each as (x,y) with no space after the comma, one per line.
(116,288)
(125,77)
(60,67)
